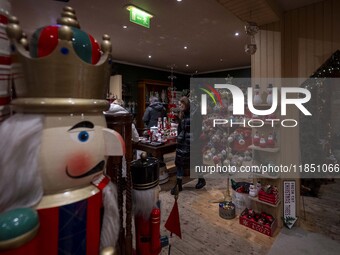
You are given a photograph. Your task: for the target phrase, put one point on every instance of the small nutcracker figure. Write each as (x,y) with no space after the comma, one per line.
(263,142)
(256,139)
(145,174)
(270,141)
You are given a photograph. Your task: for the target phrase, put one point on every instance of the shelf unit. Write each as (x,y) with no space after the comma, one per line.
(263,155)
(144,88)
(256,199)
(258,148)
(266,175)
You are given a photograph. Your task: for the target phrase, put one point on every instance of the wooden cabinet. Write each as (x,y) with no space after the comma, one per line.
(145,89)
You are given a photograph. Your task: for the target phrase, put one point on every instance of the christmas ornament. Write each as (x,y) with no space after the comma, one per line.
(270,96)
(230,139)
(257,98)
(252,191)
(226,162)
(216,160)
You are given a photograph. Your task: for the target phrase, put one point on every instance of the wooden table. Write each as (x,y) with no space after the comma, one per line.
(156,151)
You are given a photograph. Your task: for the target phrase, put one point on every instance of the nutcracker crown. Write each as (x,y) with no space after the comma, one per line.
(64,68)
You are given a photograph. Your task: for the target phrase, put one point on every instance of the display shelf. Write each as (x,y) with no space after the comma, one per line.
(256,199)
(261,156)
(266,176)
(263,106)
(144,88)
(258,148)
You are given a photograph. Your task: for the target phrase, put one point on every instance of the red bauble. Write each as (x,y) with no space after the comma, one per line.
(216,159)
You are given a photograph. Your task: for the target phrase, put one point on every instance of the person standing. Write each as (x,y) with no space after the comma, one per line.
(117,106)
(154,111)
(186,134)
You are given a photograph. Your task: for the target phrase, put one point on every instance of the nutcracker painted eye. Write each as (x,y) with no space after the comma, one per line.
(83,136)
(82,131)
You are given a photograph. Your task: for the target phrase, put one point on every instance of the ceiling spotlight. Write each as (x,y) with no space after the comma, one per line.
(185,47)
(149,56)
(237,34)
(187,65)
(179,0)
(125,27)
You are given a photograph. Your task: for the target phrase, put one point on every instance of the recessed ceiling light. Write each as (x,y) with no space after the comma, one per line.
(125,27)
(149,56)
(185,47)
(179,0)
(187,65)
(237,34)
(221,59)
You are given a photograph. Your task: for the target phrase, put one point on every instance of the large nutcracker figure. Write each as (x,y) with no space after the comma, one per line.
(145,178)
(53,150)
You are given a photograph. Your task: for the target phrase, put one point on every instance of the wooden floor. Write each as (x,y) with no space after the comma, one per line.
(322,213)
(204,232)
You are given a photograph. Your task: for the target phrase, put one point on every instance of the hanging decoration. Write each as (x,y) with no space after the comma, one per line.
(251,30)
(173,97)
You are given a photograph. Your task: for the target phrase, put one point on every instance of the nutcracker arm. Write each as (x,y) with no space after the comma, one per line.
(18,227)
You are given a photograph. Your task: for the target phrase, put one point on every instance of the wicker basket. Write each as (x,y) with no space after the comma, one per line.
(227,210)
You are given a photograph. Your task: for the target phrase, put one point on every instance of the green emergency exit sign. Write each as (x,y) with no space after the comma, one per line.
(139,16)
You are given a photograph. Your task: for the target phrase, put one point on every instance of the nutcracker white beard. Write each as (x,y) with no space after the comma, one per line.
(110,226)
(20,182)
(144,201)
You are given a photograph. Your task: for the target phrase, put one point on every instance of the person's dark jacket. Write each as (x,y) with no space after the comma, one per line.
(188,131)
(152,113)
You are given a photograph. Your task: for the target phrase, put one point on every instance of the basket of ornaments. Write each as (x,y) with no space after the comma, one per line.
(260,222)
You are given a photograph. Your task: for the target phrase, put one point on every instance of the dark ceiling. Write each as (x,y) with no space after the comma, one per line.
(205,27)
